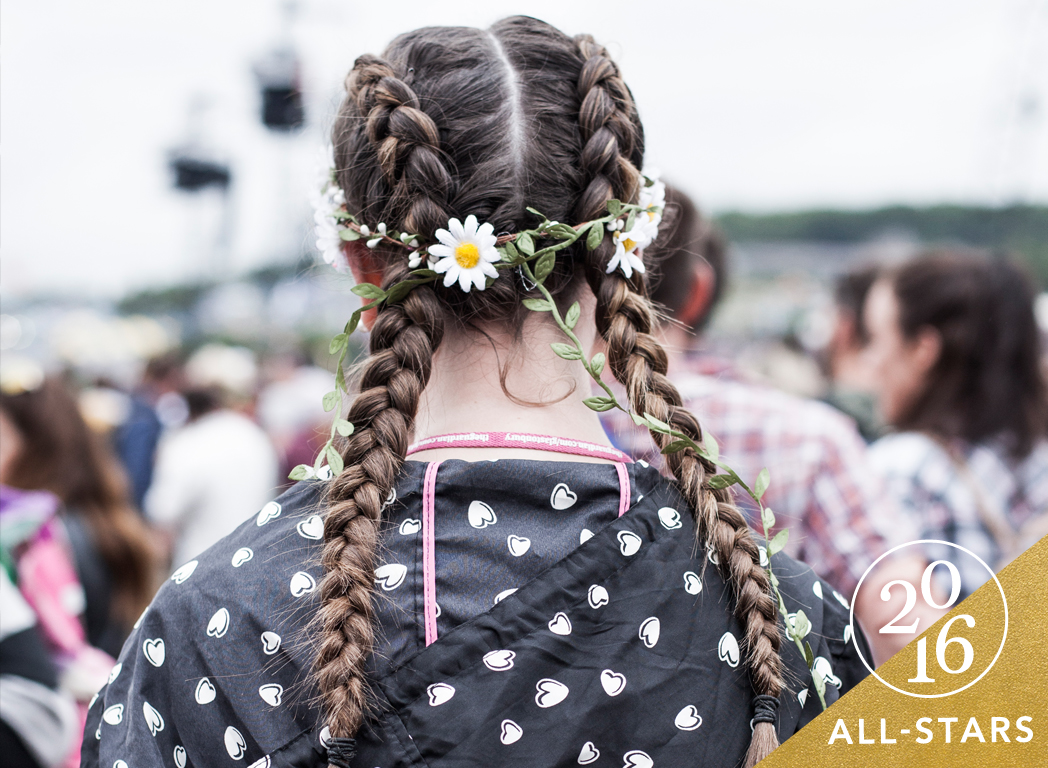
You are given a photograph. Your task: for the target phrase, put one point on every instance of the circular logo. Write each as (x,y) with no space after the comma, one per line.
(962,649)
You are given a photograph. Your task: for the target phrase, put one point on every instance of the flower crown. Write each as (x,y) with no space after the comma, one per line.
(470,253)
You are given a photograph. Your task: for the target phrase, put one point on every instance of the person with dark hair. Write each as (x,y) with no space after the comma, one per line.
(823,488)
(486,602)
(956,354)
(845,357)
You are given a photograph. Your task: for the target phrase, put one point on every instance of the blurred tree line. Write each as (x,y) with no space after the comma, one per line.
(1018,229)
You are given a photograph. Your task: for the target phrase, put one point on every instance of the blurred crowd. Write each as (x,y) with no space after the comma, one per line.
(933,424)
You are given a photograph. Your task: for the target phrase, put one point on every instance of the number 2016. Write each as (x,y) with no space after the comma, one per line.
(944,640)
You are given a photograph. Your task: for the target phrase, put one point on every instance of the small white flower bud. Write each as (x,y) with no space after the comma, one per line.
(364,230)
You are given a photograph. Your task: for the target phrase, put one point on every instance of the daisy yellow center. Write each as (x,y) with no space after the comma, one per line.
(467,255)
(628,244)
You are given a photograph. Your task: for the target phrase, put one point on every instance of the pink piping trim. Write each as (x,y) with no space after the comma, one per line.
(520,440)
(624,488)
(429,565)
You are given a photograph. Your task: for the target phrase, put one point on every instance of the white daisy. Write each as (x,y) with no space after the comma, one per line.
(328,200)
(653,199)
(466,253)
(628,246)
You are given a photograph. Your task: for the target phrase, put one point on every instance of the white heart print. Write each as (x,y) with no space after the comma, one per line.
(612,682)
(118,666)
(325,473)
(113,715)
(311,528)
(325,737)
(241,556)
(629,543)
(728,649)
(847,632)
(763,551)
(518,545)
(270,643)
(184,572)
(692,583)
(589,754)
(180,756)
(562,497)
(511,732)
(205,691)
(440,693)
(262,762)
(219,624)
(649,631)
(499,661)
(560,624)
(410,527)
(688,719)
(503,595)
(841,599)
(235,744)
(91,704)
(670,518)
(817,589)
(637,759)
(802,697)
(154,651)
(597,596)
(271,693)
(480,515)
(390,499)
(269,512)
(153,718)
(585,535)
(390,576)
(119,764)
(302,584)
(550,693)
(711,555)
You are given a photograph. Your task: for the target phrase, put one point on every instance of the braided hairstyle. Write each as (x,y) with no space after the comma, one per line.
(458,121)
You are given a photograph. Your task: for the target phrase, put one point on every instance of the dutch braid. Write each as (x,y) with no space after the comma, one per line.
(403,339)
(625,319)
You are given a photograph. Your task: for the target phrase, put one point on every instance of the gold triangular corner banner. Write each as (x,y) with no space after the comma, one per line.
(1014,691)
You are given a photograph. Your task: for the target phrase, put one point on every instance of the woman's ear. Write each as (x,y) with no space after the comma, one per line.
(366,269)
(927,348)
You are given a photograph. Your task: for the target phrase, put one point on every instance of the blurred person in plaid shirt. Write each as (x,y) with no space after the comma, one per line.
(823,487)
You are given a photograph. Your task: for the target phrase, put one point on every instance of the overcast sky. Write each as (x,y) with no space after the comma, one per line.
(749,104)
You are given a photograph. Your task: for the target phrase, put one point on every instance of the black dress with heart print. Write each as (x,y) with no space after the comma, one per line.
(561,632)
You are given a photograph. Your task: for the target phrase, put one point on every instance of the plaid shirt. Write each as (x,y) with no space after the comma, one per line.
(823,487)
(943,494)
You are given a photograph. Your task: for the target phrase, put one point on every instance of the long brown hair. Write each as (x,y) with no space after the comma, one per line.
(61,454)
(987,382)
(458,121)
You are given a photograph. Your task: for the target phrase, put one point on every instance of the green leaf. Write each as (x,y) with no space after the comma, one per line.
(599,404)
(538,305)
(343,427)
(301,472)
(762,483)
(595,235)
(777,543)
(767,518)
(349,235)
(597,364)
(630,221)
(640,421)
(424,273)
(368,291)
(809,657)
(400,291)
(572,317)
(801,625)
(709,442)
(340,377)
(542,216)
(717,482)
(545,266)
(337,343)
(331,400)
(354,321)
(334,460)
(614,207)
(512,251)
(566,351)
(525,244)
(660,426)
(676,446)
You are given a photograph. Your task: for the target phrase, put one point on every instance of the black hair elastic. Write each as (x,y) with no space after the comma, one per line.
(766,708)
(341,752)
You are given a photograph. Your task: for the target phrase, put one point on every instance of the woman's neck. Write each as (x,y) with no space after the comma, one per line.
(540,392)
